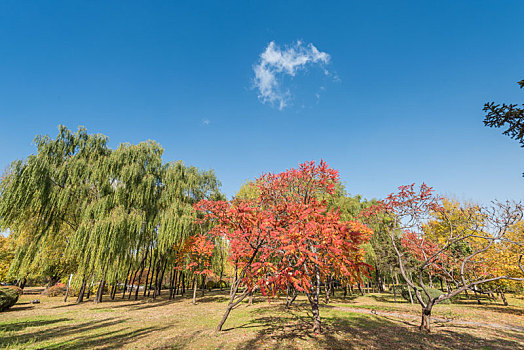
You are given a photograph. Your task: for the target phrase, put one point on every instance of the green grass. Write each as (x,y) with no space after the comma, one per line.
(165,324)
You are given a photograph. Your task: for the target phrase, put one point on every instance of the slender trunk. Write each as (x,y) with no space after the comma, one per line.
(503,297)
(234,280)
(195,284)
(68,286)
(326,290)
(476,295)
(113,292)
(157,275)
(152,275)
(183,283)
(132,284)
(313,301)
(90,288)
(80,297)
(251,298)
(126,281)
(232,304)
(203,284)
(395,293)
(143,266)
(293,297)
(100,292)
(161,281)
(138,283)
(147,275)
(171,283)
(177,282)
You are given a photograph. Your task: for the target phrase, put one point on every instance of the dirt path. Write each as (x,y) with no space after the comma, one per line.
(435,319)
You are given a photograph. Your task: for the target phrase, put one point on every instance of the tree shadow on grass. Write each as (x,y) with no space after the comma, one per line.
(56,332)
(114,339)
(352,331)
(18,307)
(505,309)
(18,326)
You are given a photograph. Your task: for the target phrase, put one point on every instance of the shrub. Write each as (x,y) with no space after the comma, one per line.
(210,285)
(8,297)
(15,288)
(432,292)
(56,290)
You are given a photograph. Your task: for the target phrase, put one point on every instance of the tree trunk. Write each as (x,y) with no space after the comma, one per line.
(100,292)
(195,285)
(410,295)
(203,285)
(183,283)
(113,291)
(171,283)
(476,295)
(143,266)
(317,326)
(80,297)
(147,275)
(291,296)
(224,318)
(152,275)
(68,286)
(90,288)
(132,285)
(162,277)
(395,293)
(232,304)
(326,290)
(313,301)
(503,297)
(426,318)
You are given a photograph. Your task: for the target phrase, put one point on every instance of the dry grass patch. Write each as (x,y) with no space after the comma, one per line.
(177,324)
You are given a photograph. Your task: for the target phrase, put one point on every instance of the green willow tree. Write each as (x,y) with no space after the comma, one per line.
(106,216)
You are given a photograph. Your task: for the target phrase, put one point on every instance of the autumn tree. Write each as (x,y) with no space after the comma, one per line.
(414,211)
(286,234)
(200,253)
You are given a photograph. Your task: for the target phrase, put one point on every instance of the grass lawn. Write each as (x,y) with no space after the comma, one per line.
(165,324)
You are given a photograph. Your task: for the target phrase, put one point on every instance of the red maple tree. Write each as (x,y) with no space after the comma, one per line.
(287,235)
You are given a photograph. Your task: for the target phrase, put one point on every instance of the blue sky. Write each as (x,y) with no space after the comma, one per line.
(402,102)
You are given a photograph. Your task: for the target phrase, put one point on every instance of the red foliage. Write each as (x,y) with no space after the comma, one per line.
(200,250)
(287,234)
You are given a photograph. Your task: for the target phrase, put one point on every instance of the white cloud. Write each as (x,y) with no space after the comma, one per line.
(276,62)
(206,122)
